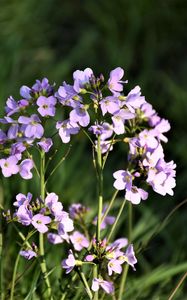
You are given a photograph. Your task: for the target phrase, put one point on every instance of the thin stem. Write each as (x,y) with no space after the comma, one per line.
(25,241)
(14,277)
(116,221)
(100,203)
(123,280)
(108,151)
(41,236)
(85,282)
(178,286)
(100,188)
(126,268)
(89,138)
(110,205)
(130,223)
(58,165)
(95,275)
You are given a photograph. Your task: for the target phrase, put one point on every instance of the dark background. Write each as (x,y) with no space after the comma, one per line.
(53,38)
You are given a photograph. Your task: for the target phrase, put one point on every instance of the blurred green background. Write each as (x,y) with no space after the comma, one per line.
(52,38)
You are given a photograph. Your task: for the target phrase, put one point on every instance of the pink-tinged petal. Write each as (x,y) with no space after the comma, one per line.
(119,184)
(95,285)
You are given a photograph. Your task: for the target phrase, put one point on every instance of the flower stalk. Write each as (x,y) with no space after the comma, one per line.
(126,268)
(41,236)
(100,188)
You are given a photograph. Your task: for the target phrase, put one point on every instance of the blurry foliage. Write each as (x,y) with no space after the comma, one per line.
(52,38)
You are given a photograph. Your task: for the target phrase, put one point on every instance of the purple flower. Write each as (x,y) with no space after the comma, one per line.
(134,99)
(113,251)
(107,286)
(160,128)
(134,195)
(80,115)
(151,158)
(161,179)
(115,84)
(46,106)
(123,180)
(110,104)
(69,263)
(118,244)
(42,86)
(51,201)
(45,144)
(25,168)
(119,120)
(54,238)
(13,129)
(77,211)
(31,126)
(24,215)
(25,92)
(39,221)
(129,257)
(147,138)
(114,265)
(17,149)
(9,166)
(68,96)
(28,254)
(90,257)
(22,199)
(79,241)
(66,128)
(13,106)
(65,223)
(148,113)
(104,130)
(81,78)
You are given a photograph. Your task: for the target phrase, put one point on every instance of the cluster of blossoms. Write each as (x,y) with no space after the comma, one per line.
(42,214)
(107,116)
(48,216)
(109,255)
(24,128)
(114,115)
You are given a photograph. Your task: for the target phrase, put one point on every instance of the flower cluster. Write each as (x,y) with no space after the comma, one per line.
(111,258)
(43,214)
(24,127)
(129,115)
(106,115)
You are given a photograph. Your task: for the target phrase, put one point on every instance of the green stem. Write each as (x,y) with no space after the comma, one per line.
(56,167)
(14,277)
(126,268)
(116,221)
(110,205)
(95,275)
(25,241)
(178,286)
(41,236)
(100,203)
(85,282)
(100,188)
